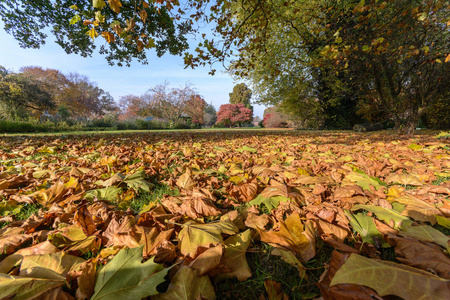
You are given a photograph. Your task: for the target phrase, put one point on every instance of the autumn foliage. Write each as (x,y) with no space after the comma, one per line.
(89,216)
(234,114)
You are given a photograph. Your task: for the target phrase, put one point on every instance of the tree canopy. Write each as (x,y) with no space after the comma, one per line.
(241,94)
(234,114)
(326,60)
(34,90)
(127,27)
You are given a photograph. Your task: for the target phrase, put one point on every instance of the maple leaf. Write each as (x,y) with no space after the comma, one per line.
(84,219)
(405,179)
(186,181)
(195,235)
(234,257)
(291,236)
(388,278)
(208,260)
(270,202)
(365,226)
(187,285)
(125,277)
(25,287)
(115,5)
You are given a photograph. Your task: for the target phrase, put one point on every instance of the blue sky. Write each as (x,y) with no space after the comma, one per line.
(121,81)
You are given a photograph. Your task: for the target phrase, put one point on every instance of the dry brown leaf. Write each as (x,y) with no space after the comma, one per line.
(84,219)
(257,221)
(186,181)
(197,207)
(86,280)
(208,260)
(425,256)
(405,179)
(274,290)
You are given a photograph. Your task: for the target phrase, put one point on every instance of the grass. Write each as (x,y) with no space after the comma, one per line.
(25,212)
(84,132)
(265,266)
(158,192)
(440,180)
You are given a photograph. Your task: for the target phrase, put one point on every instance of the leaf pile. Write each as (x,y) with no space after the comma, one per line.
(75,222)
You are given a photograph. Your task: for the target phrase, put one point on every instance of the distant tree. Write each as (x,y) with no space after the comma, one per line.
(273,118)
(3,71)
(168,103)
(210,115)
(195,108)
(85,99)
(256,120)
(63,112)
(74,91)
(241,94)
(234,114)
(51,80)
(132,106)
(18,91)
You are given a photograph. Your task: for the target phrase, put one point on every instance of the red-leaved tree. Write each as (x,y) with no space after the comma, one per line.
(195,108)
(234,114)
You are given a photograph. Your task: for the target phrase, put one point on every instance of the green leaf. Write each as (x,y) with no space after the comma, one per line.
(363,180)
(137,182)
(247,148)
(110,193)
(365,226)
(195,235)
(98,3)
(49,266)
(125,277)
(9,207)
(21,288)
(75,19)
(427,234)
(388,278)
(443,221)
(386,215)
(270,203)
(366,48)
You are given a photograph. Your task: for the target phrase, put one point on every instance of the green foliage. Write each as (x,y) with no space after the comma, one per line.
(76,24)
(18,91)
(210,115)
(36,126)
(326,60)
(438,115)
(241,94)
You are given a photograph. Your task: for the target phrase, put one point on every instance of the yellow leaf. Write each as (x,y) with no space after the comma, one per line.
(195,235)
(447,59)
(292,237)
(115,5)
(92,33)
(405,179)
(185,181)
(143,15)
(186,284)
